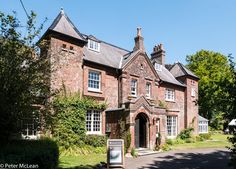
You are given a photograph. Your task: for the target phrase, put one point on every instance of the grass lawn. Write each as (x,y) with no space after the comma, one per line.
(91,160)
(81,161)
(218,141)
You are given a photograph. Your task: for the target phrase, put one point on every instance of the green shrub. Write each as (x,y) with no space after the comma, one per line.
(232,149)
(95,140)
(165,147)
(186,133)
(68,120)
(190,140)
(205,136)
(179,141)
(198,138)
(133,152)
(43,153)
(169,141)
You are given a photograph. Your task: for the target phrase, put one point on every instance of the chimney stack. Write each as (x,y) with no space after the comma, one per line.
(139,41)
(158,54)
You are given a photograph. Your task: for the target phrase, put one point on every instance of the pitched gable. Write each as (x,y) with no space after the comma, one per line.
(139,64)
(179,70)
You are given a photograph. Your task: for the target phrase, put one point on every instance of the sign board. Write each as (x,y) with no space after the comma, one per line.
(115,153)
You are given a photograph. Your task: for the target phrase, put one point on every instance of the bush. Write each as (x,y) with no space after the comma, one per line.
(198,138)
(165,147)
(133,152)
(233,151)
(43,153)
(95,140)
(205,136)
(169,141)
(179,141)
(186,133)
(190,140)
(68,121)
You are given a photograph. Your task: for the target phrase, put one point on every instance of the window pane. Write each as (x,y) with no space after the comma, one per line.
(93,121)
(94,80)
(88,120)
(133,87)
(171,125)
(29,126)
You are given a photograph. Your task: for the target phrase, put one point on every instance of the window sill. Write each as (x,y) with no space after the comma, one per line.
(173,101)
(64,49)
(93,133)
(132,96)
(95,91)
(72,51)
(98,51)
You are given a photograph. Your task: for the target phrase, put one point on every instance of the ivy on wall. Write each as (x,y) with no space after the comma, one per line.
(68,119)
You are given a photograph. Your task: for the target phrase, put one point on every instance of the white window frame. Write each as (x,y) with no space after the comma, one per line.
(93,45)
(90,80)
(92,122)
(171,126)
(193,92)
(29,125)
(169,94)
(148,90)
(133,87)
(203,127)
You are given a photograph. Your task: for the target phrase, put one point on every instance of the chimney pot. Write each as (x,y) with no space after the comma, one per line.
(158,54)
(139,29)
(139,41)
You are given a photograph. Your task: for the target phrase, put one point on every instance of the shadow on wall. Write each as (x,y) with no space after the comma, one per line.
(214,160)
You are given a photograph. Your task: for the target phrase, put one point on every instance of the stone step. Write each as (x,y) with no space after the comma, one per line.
(145,151)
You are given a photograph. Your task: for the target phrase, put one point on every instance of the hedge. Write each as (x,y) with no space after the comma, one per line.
(38,153)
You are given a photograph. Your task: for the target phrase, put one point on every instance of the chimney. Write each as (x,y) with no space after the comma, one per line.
(139,41)
(158,54)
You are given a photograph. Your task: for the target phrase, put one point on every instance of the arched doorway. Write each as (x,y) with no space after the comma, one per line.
(141,131)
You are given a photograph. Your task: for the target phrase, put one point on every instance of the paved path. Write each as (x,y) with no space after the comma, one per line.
(217,158)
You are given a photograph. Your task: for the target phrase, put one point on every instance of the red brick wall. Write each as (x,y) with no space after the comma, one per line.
(109,84)
(175,107)
(190,101)
(140,70)
(66,65)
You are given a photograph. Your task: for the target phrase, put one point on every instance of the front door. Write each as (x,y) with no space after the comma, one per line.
(140,131)
(137,133)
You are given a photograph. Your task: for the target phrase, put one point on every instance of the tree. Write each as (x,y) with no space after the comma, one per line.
(23,74)
(215,75)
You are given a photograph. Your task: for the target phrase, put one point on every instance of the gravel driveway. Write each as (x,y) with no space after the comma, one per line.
(216,158)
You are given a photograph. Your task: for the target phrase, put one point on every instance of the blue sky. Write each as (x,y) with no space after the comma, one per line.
(182,26)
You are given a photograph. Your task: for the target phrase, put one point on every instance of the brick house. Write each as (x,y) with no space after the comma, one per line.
(151,97)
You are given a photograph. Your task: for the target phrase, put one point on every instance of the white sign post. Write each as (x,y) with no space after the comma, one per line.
(115,153)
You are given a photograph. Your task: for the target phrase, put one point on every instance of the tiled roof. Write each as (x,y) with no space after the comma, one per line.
(166,76)
(179,70)
(127,57)
(63,25)
(108,55)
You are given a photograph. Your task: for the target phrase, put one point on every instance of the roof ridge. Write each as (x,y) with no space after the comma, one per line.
(181,66)
(74,27)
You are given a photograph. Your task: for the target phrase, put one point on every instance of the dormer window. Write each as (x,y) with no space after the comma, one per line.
(93,45)
(158,67)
